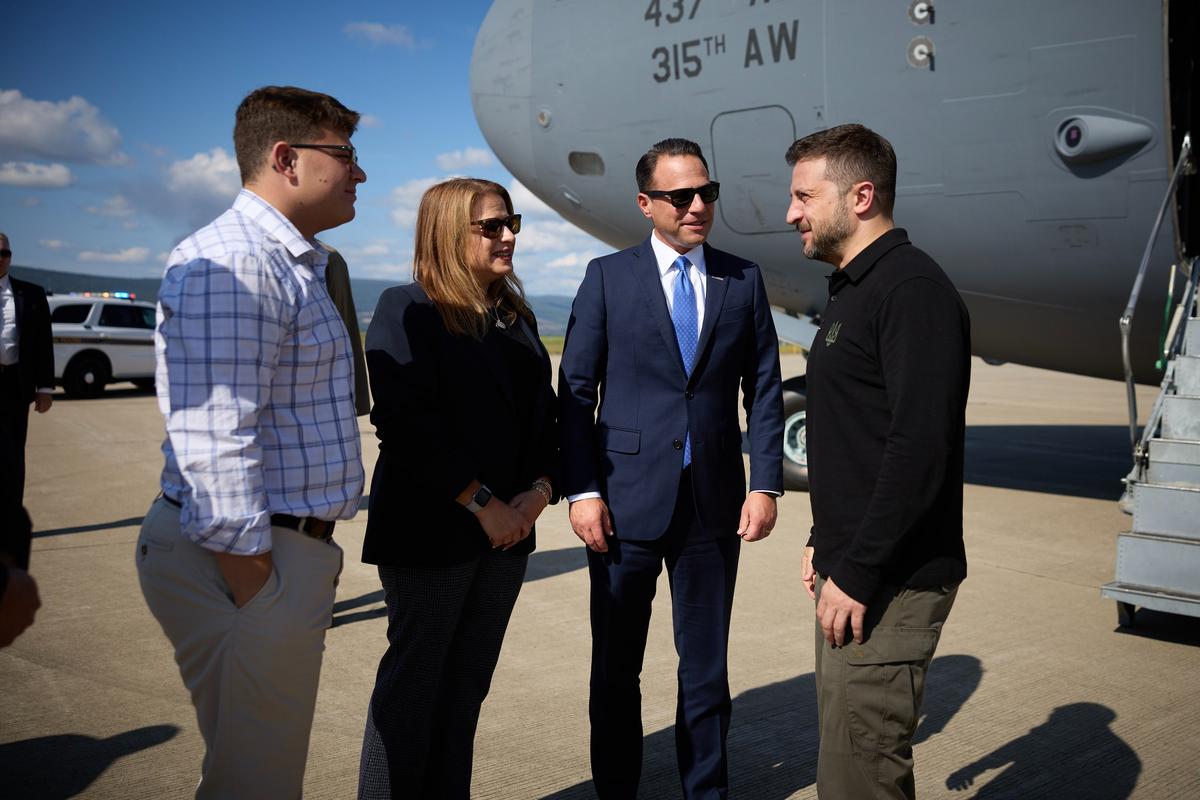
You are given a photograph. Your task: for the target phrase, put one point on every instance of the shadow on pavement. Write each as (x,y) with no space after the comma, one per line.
(549,563)
(98,526)
(1073,754)
(52,767)
(1074,460)
(1164,627)
(358,602)
(773,736)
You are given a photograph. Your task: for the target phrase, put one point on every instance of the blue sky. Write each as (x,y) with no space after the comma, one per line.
(116,122)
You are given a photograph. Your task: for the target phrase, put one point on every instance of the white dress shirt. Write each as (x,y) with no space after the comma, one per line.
(10,339)
(668,274)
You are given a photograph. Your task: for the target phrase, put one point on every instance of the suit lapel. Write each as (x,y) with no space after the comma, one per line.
(18,294)
(715,286)
(645,267)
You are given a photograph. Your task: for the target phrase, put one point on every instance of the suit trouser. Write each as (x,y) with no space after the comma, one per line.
(702,570)
(252,671)
(445,628)
(869,695)
(14,428)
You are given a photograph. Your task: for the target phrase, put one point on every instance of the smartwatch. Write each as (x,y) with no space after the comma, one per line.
(480,499)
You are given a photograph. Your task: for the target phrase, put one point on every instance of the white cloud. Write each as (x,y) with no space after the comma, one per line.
(459,160)
(115,206)
(370,121)
(406,198)
(130,255)
(379,34)
(54,244)
(570,260)
(211,176)
(527,203)
(372,250)
(71,130)
(34,176)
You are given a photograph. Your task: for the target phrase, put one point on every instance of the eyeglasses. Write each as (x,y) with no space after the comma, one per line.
(351,157)
(490,228)
(6,253)
(682,198)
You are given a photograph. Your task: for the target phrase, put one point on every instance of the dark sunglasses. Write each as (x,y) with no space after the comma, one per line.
(6,253)
(351,157)
(682,198)
(490,228)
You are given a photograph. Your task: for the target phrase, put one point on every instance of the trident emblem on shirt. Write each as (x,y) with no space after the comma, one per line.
(832,335)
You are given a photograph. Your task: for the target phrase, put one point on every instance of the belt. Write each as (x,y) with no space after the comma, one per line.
(9,367)
(309,526)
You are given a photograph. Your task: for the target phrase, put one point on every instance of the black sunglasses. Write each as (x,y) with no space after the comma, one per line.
(490,228)
(5,253)
(682,198)
(351,157)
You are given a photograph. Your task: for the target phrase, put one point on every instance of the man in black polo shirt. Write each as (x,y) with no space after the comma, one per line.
(887,390)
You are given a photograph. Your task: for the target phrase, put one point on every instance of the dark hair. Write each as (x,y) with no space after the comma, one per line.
(667,147)
(284,114)
(852,153)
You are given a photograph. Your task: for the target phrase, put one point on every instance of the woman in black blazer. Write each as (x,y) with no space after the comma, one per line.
(464,411)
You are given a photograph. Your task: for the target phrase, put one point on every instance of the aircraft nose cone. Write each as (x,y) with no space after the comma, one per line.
(501,84)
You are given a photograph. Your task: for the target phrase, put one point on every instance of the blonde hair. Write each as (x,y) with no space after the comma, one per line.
(441,265)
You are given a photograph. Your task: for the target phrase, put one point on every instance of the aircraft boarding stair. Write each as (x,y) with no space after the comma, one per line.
(1158,560)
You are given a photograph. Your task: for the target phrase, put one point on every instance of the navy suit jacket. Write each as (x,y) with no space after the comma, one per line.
(621,352)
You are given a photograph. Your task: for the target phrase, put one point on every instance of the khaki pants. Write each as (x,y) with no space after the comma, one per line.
(252,672)
(869,695)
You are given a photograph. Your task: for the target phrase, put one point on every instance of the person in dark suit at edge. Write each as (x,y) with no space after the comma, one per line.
(26,361)
(465,415)
(665,333)
(337,283)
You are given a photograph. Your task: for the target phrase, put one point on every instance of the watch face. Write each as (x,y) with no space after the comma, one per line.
(482,496)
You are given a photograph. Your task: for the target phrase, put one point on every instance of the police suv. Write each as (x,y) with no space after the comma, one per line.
(100,337)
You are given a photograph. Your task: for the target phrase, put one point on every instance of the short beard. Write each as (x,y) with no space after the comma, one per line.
(826,243)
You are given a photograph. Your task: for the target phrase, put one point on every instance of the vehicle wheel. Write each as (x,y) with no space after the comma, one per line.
(145,384)
(795,436)
(86,376)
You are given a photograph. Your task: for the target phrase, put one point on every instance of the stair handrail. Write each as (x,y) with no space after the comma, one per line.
(1142,451)
(1182,165)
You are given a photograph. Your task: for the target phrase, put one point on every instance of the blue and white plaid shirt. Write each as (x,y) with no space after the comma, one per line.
(255,378)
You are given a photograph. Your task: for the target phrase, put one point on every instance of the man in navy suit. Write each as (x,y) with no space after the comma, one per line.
(663,335)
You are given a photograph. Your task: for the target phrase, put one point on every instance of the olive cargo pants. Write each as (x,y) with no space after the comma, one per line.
(869,694)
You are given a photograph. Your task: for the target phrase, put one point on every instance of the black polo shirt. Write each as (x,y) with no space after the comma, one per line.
(888,375)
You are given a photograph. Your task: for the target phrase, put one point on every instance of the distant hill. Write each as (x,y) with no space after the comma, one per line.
(552,311)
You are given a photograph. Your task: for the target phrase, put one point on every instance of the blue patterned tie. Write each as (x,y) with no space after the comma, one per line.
(683,314)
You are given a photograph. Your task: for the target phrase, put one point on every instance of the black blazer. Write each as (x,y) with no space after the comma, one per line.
(37,344)
(445,413)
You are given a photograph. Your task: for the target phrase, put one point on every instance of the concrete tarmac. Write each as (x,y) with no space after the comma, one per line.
(1034,691)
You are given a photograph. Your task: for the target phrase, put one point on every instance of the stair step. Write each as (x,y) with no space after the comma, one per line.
(1187,374)
(1175,462)
(1170,510)
(1149,597)
(1191,337)
(1181,417)
(1164,563)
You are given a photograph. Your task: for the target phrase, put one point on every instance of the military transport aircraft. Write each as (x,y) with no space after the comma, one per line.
(1036,143)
